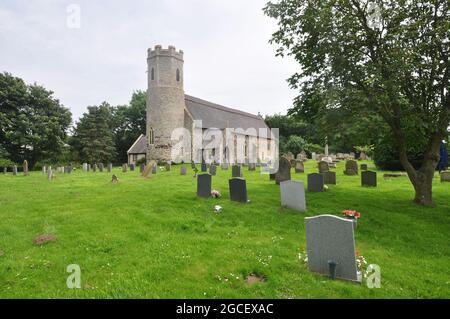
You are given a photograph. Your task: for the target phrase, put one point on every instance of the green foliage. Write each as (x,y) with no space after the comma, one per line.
(33,124)
(6,162)
(140,161)
(367,149)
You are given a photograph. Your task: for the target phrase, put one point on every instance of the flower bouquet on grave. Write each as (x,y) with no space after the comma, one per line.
(215,194)
(353,215)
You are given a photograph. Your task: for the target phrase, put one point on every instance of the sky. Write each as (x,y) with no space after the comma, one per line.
(88,52)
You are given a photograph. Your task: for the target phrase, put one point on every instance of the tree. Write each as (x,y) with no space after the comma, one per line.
(33,124)
(92,140)
(389,58)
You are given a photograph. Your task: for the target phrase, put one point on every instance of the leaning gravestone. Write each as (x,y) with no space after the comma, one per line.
(363,167)
(299,166)
(445,176)
(351,168)
(293,195)
(183,170)
(204,185)
(15,170)
(369,178)
(213,170)
(284,170)
(315,182)
(236,171)
(330,244)
(148,168)
(238,190)
(124,168)
(323,167)
(25,168)
(329,178)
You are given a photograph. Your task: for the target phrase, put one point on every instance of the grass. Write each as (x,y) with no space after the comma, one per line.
(152,238)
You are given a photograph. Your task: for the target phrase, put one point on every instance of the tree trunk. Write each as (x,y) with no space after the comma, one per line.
(423,185)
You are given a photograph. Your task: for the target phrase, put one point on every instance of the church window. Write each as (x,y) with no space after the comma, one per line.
(152,74)
(178,75)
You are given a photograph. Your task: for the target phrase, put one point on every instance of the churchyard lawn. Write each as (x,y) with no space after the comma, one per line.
(153,238)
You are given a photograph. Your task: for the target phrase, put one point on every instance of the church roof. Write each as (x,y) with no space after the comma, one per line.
(140,146)
(217,116)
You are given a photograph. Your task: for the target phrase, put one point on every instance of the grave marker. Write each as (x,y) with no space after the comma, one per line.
(293,195)
(238,190)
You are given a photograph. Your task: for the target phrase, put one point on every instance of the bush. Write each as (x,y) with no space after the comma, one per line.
(386,155)
(140,161)
(6,163)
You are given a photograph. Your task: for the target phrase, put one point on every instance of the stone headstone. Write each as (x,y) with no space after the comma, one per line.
(101,167)
(183,170)
(44,169)
(323,167)
(204,185)
(148,168)
(252,167)
(168,167)
(445,176)
(110,167)
(193,165)
(25,168)
(284,171)
(315,182)
(293,195)
(329,178)
(204,167)
(132,167)
(313,156)
(49,174)
(94,168)
(154,168)
(224,166)
(369,178)
(236,171)
(330,239)
(213,170)
(351,167)
(299,166)
(15,170)
(363,167)
(238,190)
(88,167)
(124,168)
(85,167)
(141,169)
(114,179)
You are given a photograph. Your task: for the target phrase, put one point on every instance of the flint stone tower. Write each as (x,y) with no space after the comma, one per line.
(165,100)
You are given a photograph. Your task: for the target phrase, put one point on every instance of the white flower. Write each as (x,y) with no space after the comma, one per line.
(217,208)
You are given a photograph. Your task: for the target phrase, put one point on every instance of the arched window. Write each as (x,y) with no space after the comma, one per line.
(178,75)
(151,138)
(152,74)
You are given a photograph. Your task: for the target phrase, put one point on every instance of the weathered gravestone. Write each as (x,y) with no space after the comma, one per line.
(154,168)
(323,167)
(284,171)
(351,168)
(168,167)
(88,167)
(299,166)
(44,169)
(369,178)
(148,168)
(445,176)
(236,171)
(213,170)
(331,247)
(313,156)
(25,168)
(315,182)
(193,165)
(293,195)
(101,167)
(224,166)
(363,167)
(124,168)
(251,166)
(94,168)
(204,167)
(183,170)
(204,185)
(141,169)
(132,167)
(15,170)
(50,174)
(85,167)
(110,167)
(238,190)
(329,178)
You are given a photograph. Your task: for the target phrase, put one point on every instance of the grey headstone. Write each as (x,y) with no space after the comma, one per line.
(132,167)
(141,168)
(315,182)
(363,167)
(213,169)
(331,238)
(94,168)
(85,165)
(236,171)
(204,167)
(110,167)
(351,168)
(49,174)
(88,167)
(368,178)
(238,190)
(44,169)
(154,168)
(299,166)
(293,195)
(124,168)
(101,167)
(183,170)
(445,176)
(284,171)
(329,178)
(204,185)
(252,167)
(323,167)
(224,166)
(15,170)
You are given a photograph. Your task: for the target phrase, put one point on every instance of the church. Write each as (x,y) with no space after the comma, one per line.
(183,128)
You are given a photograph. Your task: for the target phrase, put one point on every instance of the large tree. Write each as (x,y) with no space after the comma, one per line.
(390,58)
(33,124)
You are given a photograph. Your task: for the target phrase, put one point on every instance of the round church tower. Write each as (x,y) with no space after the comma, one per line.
(165,100)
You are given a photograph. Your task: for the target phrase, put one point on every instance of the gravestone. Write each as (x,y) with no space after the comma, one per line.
(236,171)
(363,167)
(88,167)
(445,176)
(110,167)
(204,185)
(94,168)
(168,167)
(25,168)
(101,167)
(141,169)
(351,168)
(299,166)
(193,165)
(85,167)
(213,170)
(183,170)
(124,168)
(313,156)
(323,167)
(204,167)
(315,182)
(369,178)
(15,170)
(132,167)
(238,190)
(44,169)
(224,166)
(329,178)
(251,166)
(154,168)
(293,195)
(330,239)
(50,174)
(284,171)
(148,168)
